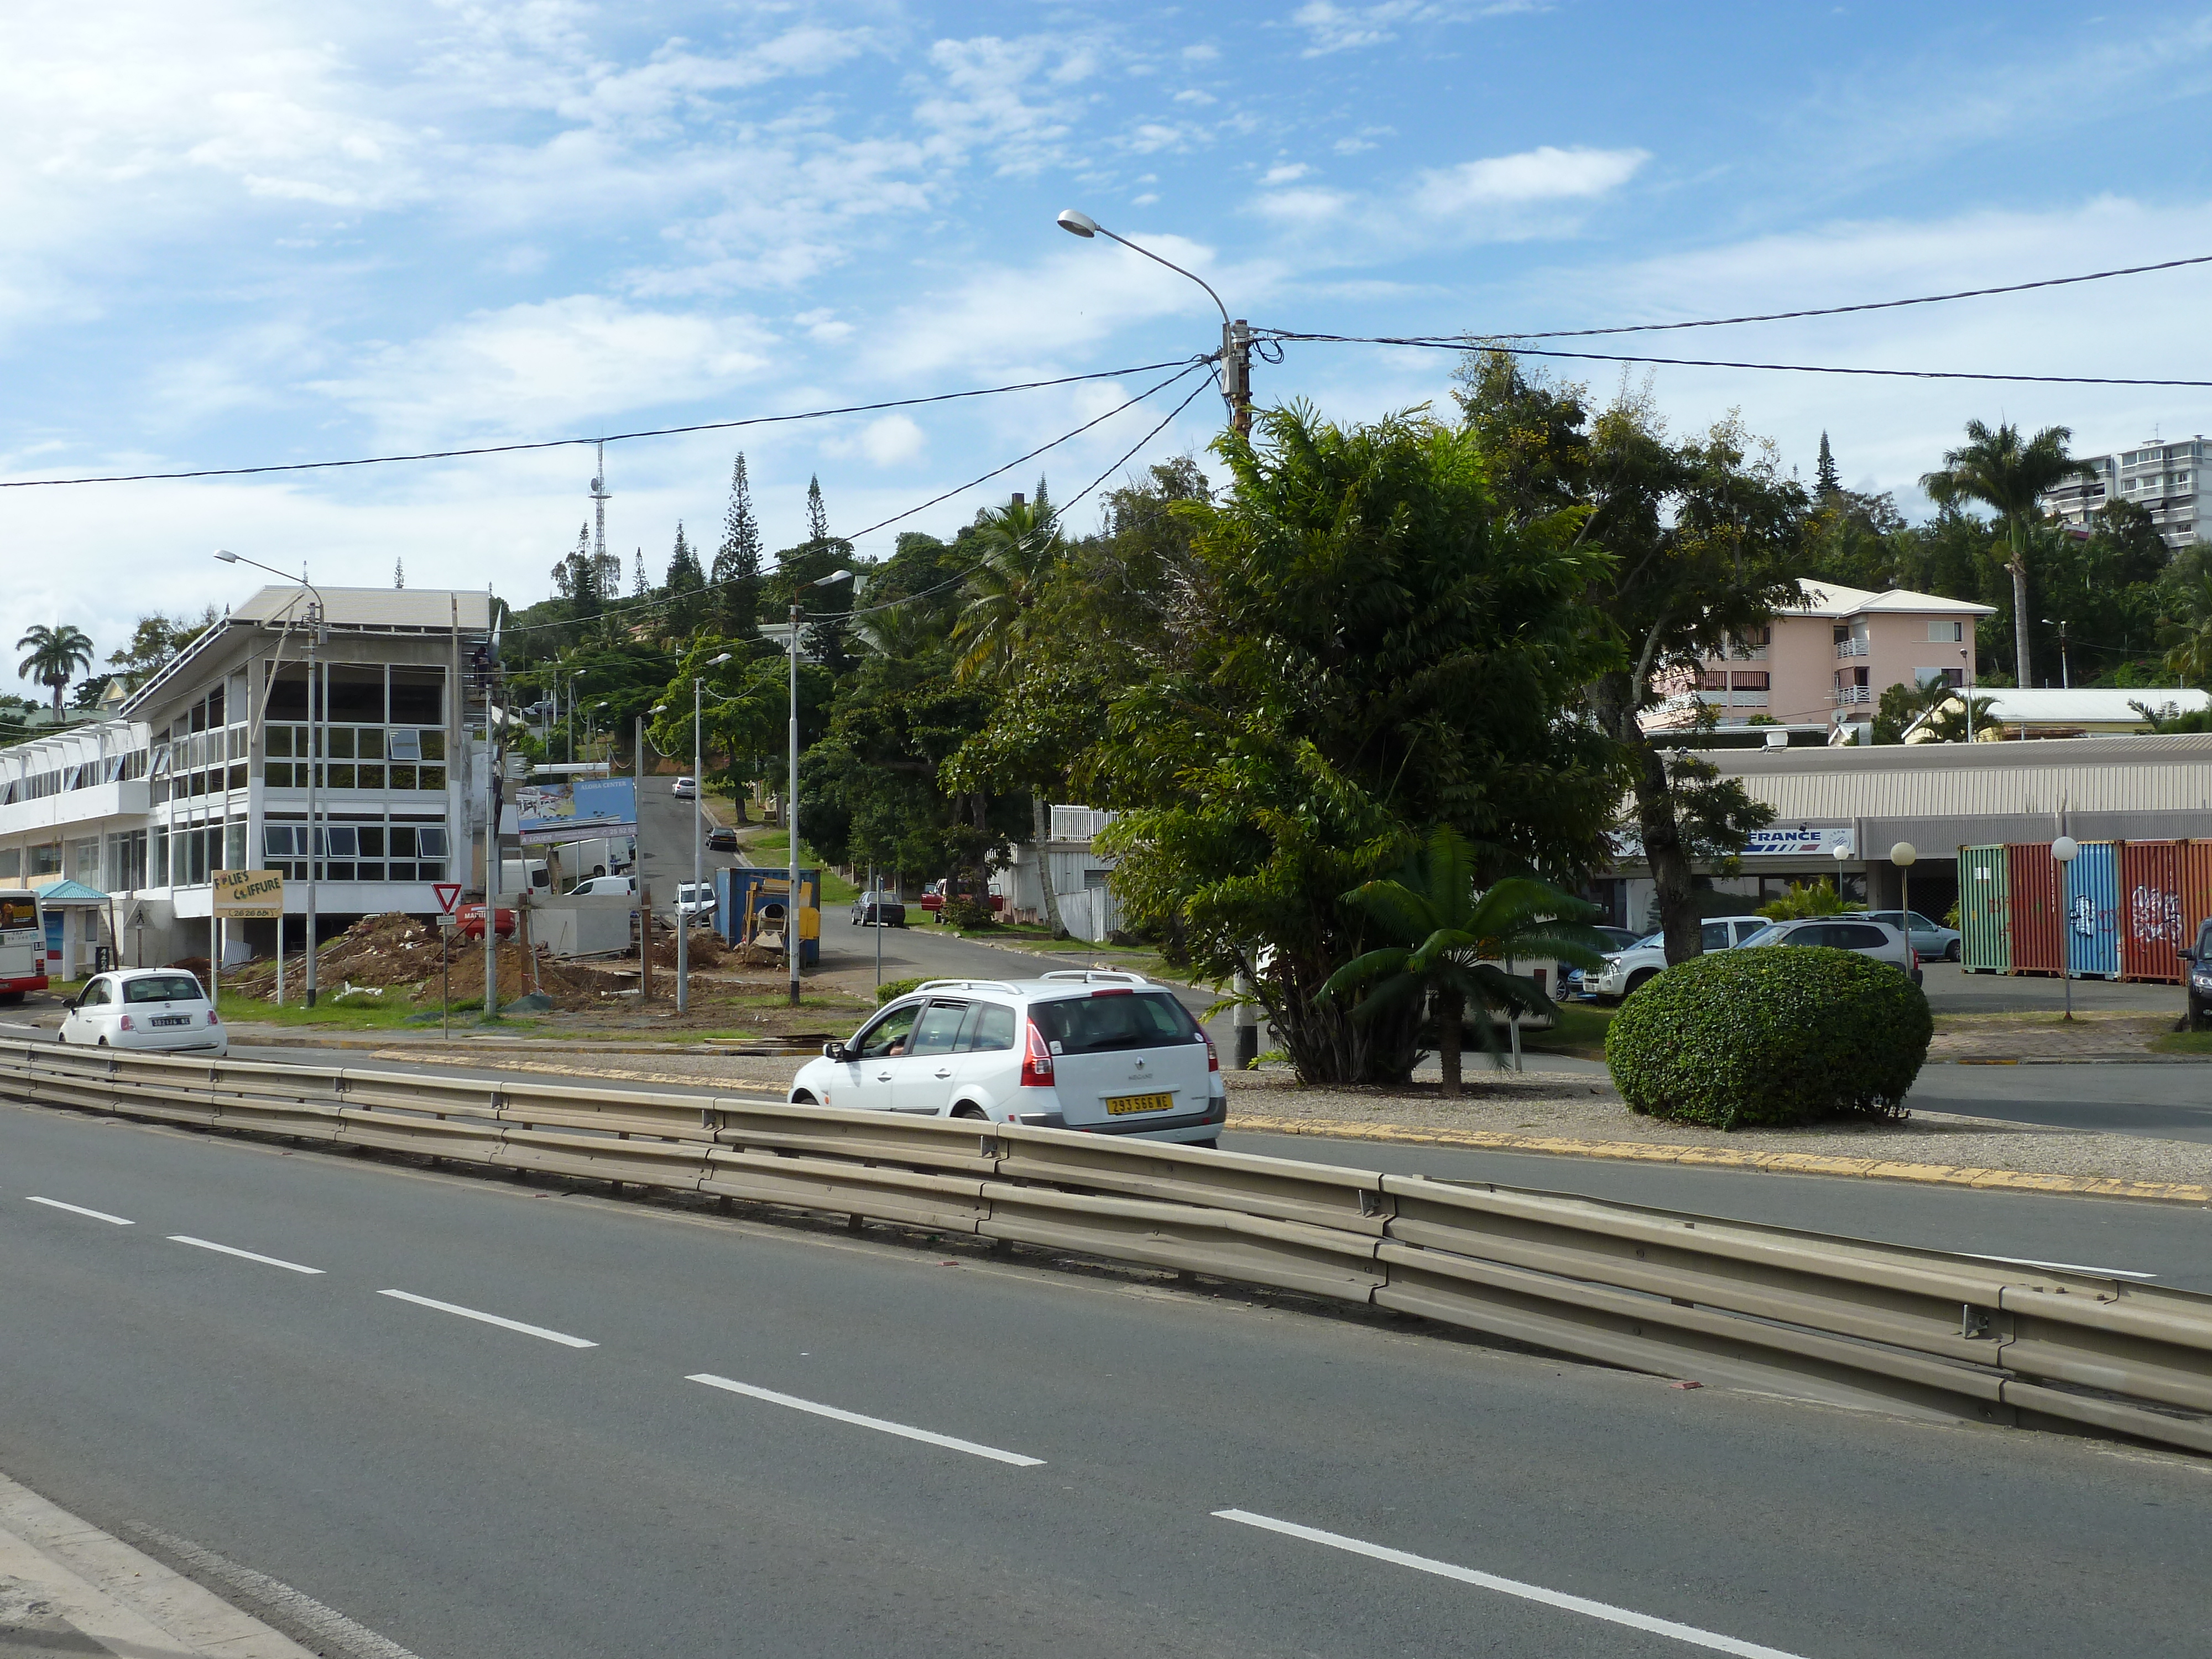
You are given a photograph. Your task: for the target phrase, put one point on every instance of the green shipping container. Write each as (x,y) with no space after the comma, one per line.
(1984,910)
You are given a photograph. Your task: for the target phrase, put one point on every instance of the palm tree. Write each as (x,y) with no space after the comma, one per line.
(56,656)
(2002,473)
(2188,635)
(1443,935)
(1021,549)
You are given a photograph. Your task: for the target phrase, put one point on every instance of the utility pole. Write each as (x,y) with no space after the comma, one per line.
(495,734)
(1236,374)
(599,499)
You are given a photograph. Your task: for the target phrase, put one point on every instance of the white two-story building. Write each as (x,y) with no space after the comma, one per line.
(205,768)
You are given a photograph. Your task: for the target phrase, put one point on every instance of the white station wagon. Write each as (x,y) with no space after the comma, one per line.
(1107,1053)
(155,1008)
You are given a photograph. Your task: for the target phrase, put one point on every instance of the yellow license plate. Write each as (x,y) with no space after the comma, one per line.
(1122,1103)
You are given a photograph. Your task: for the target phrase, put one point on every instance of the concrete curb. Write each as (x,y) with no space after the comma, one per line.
(1726,1158)
(67,1580)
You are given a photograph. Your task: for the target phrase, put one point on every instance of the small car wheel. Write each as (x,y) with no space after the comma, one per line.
(803,1097)
(103,1043)
(1951,951)
(1637,982)
(968,1109)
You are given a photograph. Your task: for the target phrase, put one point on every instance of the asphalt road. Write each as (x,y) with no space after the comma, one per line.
(1208,1477)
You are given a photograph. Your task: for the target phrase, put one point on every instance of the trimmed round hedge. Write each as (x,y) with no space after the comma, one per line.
(1780,1035)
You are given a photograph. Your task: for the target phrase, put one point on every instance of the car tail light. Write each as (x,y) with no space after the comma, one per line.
(1212,1055)
(214,1019)
(1036,1061)
(1115,990)
(124,1024)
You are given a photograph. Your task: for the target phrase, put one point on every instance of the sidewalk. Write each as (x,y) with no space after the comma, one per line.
(69,1591)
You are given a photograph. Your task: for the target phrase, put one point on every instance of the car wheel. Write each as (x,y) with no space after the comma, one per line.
(1951,951)
(968,1109)
(2200,1014)
(103,1043)
(803,1097)
(1211,1144)
(1637,980)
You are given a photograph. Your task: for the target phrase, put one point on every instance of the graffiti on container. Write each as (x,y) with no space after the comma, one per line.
(2084,915)
(2153,914)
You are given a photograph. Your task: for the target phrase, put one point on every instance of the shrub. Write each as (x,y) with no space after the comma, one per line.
(892,989)
(1774,1034)
(968,914)
(1806,899)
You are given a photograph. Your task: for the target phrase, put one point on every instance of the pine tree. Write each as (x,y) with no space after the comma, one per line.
(737,562)
(399,573)
(685,580)
(1827,481)
(818,516)
(640,587)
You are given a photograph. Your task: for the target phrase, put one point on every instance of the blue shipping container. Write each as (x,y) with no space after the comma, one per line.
(763,894)
(2092,912)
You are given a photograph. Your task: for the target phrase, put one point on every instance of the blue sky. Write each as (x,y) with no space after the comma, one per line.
(246,232)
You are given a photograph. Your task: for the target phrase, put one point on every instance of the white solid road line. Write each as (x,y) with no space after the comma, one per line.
(1611,1614)
(2065,1266)
(562,1337)
(949,1441)
(326,1623)
(246,1255)
(79,1209)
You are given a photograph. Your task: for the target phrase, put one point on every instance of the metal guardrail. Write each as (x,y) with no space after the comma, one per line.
(1647,1289)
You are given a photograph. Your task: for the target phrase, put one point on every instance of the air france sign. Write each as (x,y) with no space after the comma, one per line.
(1798,841)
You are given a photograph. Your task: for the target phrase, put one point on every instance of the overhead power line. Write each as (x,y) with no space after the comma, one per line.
(1189,366)
(611,438)
(1501,342)
(1870,305)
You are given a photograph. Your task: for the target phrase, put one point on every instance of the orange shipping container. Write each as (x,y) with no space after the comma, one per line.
(2152,933)
(2196,884)
(2039,943)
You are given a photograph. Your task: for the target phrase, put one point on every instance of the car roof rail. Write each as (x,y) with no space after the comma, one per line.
(1088,975)
(967,984)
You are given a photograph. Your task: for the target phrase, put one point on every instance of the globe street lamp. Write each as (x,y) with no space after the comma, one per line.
(1904,855)
(698,833)
(1236,337)
(791,782)
(2064,852)
(317,629)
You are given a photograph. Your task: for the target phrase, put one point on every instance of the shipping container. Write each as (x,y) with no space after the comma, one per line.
(1984,947)
(2196,885)
(2039,941)
(2092,912)
(2151,929)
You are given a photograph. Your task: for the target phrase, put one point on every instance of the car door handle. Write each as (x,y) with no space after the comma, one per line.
(944,1071)
(883,1077)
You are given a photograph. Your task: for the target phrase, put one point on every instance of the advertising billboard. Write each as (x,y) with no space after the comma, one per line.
(578,809)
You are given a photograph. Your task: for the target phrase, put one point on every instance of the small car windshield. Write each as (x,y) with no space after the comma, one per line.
(1096,1023)
(162,987)
(1767,935)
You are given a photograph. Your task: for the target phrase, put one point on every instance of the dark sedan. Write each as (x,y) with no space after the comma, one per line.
(721,839)
(879,910)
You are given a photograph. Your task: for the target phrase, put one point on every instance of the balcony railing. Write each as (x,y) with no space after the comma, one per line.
(1852,694)
(1851,648)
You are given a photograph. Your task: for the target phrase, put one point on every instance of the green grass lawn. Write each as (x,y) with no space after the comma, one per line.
(391,1014)
(2183,1042)
(1580,1033)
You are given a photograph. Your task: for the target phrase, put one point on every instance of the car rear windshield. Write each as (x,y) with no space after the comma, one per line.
(162,987)
(1100,1023)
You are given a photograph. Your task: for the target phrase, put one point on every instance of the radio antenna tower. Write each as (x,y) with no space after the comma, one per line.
(599,499)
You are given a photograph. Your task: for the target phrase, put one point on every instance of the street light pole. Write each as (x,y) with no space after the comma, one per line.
(1236,335)
(2064,852)
(791,785)
(318,624)
(698,845)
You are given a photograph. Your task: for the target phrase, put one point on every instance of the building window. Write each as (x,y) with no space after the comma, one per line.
(1948,633)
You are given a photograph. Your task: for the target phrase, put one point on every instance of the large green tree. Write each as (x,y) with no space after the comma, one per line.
(736,569)
(2008,475)
(1357,646)
(1704,537)
(56,656)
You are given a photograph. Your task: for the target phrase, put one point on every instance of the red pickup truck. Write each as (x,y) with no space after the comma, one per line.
(933,896)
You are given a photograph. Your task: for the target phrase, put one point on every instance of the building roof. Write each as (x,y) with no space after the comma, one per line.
(1834,599)
(2051,705)
(70,892)
(376,607)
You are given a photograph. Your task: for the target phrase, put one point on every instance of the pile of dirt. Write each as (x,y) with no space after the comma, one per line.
(707,951)
(386,950)
(569,988)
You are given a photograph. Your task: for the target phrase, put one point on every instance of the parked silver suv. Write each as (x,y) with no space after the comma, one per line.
(1106,1053)
(1860,932)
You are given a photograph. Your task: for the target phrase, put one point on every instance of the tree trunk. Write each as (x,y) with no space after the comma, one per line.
(1449,1005)
(1040,826)
(1656,821)
(2019,567)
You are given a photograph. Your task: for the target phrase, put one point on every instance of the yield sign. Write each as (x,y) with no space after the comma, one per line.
(448,892)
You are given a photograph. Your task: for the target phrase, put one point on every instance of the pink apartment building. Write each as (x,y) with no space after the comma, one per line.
(1828,662)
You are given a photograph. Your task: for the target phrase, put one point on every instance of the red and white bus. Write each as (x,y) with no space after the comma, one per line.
(22,944)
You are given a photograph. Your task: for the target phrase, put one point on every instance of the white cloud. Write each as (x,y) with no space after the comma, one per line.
(529,368)
(1536,175)
(1009,98)
(885,441)
(1287,172)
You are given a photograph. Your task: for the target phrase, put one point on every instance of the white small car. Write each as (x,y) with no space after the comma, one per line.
(1627,972)
(1105,1052)
(685,788)
(1849,932)
(153,1008)
(694,901)
(604,887)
